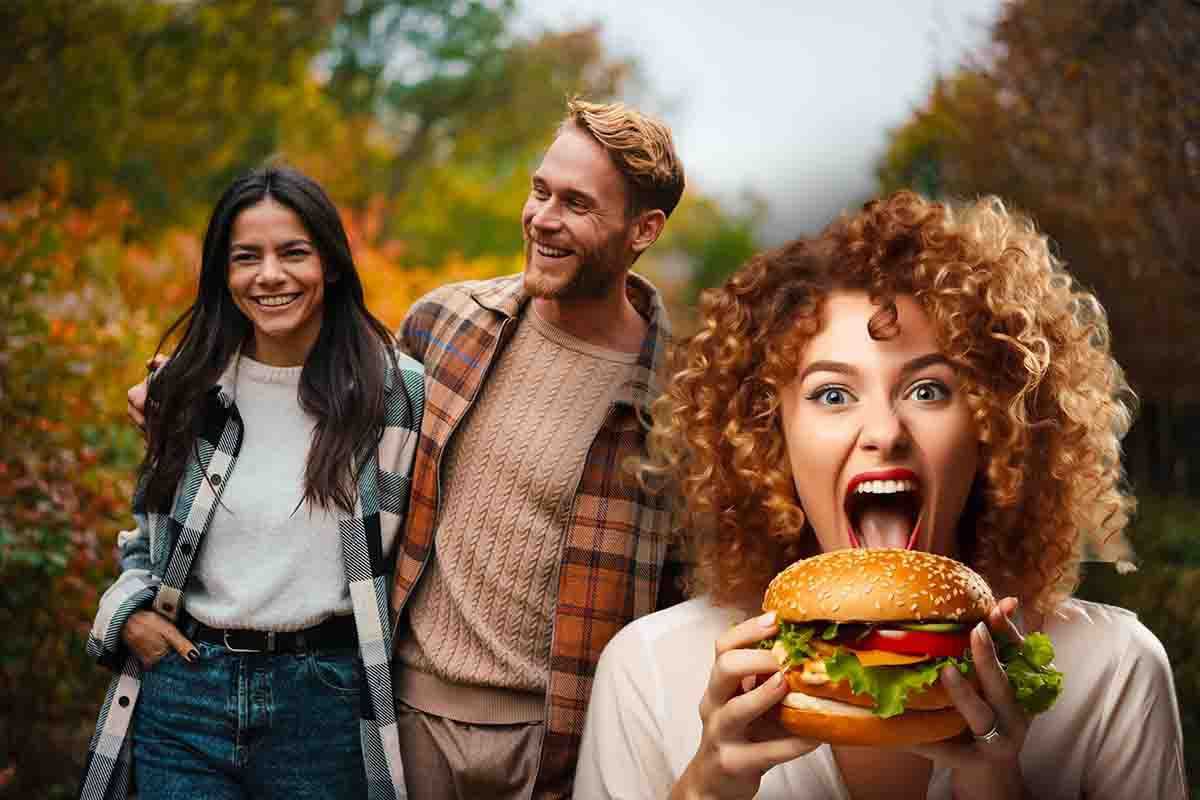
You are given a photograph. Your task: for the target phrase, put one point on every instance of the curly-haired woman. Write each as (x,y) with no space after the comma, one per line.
(948,343)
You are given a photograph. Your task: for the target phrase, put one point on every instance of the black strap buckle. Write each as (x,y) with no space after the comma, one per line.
(269,644)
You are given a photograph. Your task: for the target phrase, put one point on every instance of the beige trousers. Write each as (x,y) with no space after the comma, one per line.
(445,759)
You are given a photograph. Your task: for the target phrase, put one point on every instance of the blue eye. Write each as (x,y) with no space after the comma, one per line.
(929,392)
(831,396)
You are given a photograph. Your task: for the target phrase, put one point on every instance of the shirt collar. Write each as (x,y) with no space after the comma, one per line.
(507,296)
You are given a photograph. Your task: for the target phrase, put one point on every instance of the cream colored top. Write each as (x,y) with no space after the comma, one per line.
(269,562)
(1114,733)
(482,614)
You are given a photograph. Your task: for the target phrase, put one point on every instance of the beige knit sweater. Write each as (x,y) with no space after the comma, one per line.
(482,614)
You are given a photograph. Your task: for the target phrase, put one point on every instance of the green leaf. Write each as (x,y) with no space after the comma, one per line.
(889,687)
(1035,681)
(795,639)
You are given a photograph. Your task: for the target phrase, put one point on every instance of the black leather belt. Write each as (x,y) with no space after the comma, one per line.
(333,634)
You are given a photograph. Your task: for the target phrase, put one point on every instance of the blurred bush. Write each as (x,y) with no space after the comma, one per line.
(1163,592)
(65,474)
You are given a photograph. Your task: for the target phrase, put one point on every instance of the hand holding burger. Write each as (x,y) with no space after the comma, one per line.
(866,635)
(741,739)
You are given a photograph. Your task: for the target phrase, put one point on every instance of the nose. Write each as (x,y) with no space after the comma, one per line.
(270,270)
(544,215)
(884,431)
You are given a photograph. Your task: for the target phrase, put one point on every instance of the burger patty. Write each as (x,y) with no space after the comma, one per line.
(932,698)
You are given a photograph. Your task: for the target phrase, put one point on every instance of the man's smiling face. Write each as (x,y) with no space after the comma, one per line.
(575,222)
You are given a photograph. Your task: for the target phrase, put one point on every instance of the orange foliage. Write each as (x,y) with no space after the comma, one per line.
(391,289)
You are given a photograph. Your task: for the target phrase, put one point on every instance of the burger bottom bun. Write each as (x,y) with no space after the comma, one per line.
(839,723)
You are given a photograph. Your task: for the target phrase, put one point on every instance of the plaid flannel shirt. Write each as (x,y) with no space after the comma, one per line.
(614,562)
(156,559)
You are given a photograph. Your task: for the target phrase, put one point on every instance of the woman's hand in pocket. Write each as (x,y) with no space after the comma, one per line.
(151,636)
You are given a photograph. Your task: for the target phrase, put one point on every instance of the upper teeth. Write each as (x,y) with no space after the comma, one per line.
(554,252)
(885,487)
(277,300)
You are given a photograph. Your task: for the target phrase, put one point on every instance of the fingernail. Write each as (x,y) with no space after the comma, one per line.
(983,635)
(767,620)
(193,655)
(950,676)
(776,680)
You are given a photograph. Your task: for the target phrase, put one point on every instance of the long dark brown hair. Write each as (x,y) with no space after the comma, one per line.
(341,384)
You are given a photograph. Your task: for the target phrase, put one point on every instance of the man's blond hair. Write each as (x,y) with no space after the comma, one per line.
(641,148)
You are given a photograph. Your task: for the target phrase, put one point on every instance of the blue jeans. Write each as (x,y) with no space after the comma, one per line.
(234,726)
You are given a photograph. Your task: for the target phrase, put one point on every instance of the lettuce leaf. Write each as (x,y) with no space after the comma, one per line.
(1035,681)
(795,639)
(889,687)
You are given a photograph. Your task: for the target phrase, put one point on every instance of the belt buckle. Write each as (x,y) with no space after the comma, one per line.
(270,648)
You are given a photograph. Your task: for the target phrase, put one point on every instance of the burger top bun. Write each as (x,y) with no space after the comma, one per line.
(878,585)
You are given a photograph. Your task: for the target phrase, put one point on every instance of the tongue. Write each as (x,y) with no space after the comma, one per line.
(884,527)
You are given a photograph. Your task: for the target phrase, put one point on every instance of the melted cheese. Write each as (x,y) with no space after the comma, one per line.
(868,658)
(882,658)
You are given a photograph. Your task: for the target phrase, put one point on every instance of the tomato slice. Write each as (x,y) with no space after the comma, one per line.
(934,645)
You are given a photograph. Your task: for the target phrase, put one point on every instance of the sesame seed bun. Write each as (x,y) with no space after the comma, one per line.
(879,585)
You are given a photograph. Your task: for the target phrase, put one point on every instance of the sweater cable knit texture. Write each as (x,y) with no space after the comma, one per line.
(483,614)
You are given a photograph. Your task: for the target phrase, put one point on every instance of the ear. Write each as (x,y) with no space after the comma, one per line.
(647,228)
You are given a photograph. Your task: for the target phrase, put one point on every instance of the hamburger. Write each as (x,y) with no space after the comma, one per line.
(864,634)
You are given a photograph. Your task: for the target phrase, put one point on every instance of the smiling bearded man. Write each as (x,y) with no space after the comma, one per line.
(527,545)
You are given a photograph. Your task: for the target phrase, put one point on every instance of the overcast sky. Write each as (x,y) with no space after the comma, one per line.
(790,100)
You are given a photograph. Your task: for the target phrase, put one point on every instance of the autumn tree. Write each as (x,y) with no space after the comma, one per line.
(1087,115)
(166,101)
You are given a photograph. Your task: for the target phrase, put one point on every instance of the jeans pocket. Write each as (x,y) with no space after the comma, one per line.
(338,673)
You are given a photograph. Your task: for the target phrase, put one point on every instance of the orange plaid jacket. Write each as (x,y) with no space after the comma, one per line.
(615,563)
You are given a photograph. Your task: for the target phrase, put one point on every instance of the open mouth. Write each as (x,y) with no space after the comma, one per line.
(884,509)
(276,300)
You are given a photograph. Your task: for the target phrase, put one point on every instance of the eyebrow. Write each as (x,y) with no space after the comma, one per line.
(569,194)
(915,365)
(255,247)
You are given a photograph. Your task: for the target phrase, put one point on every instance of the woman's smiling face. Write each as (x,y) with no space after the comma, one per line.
(879,435)
(277,279)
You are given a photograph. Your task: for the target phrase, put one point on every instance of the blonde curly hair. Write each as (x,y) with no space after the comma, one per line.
(1049,403)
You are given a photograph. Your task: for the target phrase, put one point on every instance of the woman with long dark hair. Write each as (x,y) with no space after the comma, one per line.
(249,627)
